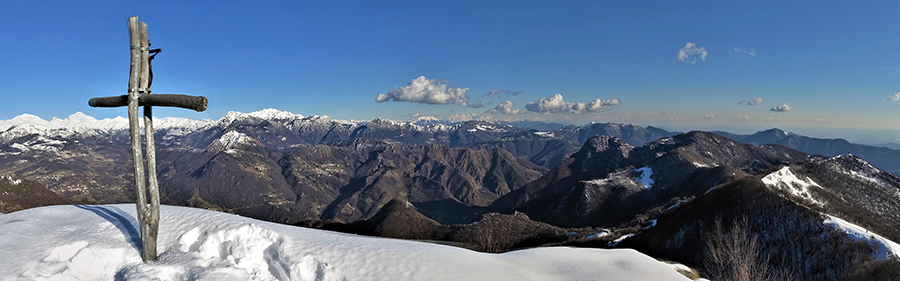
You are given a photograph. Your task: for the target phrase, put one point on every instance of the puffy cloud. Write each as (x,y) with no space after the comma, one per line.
(462,117)
(497,92)
(556,104)
(424,90)
(690,53)
(504,108)
(753,101)
(709,116)
(743,118)
(895,97)
(743,52)
(782,108)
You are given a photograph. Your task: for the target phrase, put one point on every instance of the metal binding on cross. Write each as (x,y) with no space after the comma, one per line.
(139,81)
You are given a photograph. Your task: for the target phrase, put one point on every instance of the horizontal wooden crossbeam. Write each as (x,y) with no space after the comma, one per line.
(168,100)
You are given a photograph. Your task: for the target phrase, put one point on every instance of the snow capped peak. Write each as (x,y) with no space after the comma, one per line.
(265,114)
(426,121)
(274,114)
(378,121)
(485,126)
(428,118)
(228,142)
(77,122)
(24,120)
(79,117)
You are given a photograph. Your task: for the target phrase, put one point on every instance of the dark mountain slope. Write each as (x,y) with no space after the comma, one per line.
(783,209)
(353,180)
(612,180)
(17,193)
(491,233)
(234,173)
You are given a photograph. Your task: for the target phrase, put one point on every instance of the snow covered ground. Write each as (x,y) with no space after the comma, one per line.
(884,248)
(101,243)
(785,179)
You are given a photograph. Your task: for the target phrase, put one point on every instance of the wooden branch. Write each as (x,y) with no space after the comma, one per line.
(168,100)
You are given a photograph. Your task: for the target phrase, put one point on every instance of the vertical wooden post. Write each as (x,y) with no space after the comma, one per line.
(151,214)
(135,128)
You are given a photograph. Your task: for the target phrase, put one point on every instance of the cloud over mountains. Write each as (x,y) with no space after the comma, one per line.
(782,108)
(430,91)
(753,101)
(556,104)
(504,108)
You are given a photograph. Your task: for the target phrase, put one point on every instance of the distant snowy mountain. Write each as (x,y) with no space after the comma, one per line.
(101,242)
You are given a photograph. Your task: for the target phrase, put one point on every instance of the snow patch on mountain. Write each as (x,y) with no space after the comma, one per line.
(228,141)
(644,176)
(603,233)
(858,168)
(39,143)
(67,242)
(884,248)
(11,180)
(785,179)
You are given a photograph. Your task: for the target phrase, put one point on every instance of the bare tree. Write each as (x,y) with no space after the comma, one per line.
(736,254)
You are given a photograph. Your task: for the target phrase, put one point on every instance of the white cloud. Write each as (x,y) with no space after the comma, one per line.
(753,101)
(782,108)
(709,116)
(462,117)
(690,53)
(743,52)
(556,104)
(497,92)
(743,118)
(424,90)
(505,108)
(895,97)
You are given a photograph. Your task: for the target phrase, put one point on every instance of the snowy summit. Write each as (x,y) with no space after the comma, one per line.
(101,242)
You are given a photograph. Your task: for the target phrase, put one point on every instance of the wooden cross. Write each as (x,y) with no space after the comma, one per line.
(139,95)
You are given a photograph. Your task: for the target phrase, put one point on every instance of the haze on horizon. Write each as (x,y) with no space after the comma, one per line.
(823,70)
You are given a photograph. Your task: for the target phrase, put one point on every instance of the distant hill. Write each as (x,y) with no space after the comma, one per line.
(885,158)
(17,193)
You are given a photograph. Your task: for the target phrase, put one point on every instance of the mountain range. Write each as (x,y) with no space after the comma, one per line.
(495,186)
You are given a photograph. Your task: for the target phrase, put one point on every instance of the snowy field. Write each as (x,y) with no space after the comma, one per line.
(101,243)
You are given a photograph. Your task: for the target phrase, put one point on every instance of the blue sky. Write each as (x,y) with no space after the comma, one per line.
(836,64)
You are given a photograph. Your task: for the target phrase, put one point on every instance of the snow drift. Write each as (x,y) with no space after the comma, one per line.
(102,243)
